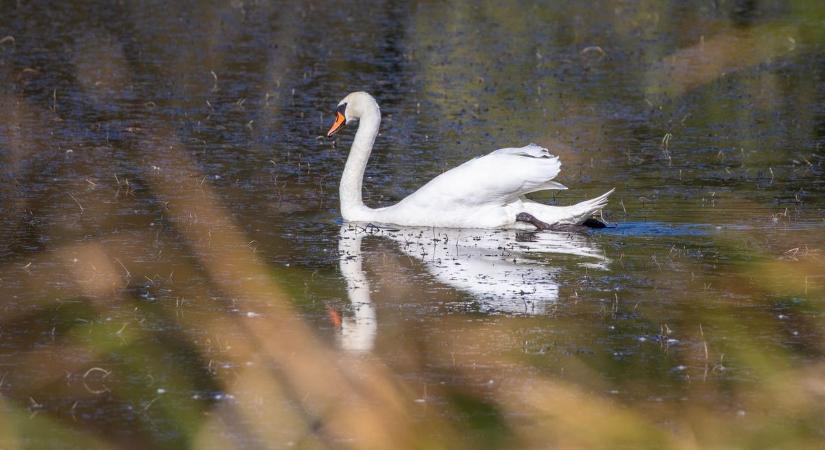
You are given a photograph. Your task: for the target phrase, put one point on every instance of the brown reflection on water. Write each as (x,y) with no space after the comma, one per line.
(718,55)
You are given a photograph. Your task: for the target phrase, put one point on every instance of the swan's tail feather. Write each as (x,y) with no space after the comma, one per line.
(567,215)
(582,211)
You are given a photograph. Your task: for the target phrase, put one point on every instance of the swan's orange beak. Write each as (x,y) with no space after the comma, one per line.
(339,123)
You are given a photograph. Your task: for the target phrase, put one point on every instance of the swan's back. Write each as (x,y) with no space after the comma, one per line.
(497,178)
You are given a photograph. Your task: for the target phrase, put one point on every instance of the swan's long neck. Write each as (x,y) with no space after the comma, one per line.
(352,203)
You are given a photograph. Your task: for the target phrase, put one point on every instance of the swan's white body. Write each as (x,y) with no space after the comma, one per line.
(485,192)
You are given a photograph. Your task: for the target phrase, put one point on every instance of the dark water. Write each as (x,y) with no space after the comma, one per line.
(176,273)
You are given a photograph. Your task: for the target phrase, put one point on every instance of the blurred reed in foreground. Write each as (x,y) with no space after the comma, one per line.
(139,312)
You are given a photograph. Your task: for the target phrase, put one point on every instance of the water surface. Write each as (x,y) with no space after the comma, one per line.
(176,274)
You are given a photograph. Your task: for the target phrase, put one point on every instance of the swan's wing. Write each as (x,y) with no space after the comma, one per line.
(542,172)
(496,178)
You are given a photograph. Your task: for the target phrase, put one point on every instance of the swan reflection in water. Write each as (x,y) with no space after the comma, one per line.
(506,271)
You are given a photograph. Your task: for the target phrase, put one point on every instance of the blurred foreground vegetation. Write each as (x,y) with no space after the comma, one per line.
(169,237)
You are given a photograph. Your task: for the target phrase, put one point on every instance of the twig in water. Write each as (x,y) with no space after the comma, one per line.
(215,85)
(594,48)
(666,141)
(128,274)
(106,373)
(78,203)
(150,403)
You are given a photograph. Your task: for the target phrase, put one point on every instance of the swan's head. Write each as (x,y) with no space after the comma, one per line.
(351,108)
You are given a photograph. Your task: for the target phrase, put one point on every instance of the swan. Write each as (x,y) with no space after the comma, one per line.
(485,192)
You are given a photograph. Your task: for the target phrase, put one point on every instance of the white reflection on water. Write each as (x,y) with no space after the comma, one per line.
(357,331)
(505,271)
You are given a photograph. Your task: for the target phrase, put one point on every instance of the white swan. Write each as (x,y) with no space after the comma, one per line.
(485,192)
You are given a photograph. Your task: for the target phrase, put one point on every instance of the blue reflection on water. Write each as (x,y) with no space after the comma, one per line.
(657,229)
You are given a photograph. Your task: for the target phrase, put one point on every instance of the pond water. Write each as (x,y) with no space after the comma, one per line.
(176,274)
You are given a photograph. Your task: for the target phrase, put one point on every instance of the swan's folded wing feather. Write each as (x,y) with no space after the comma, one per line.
(496,178)
(530,150)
